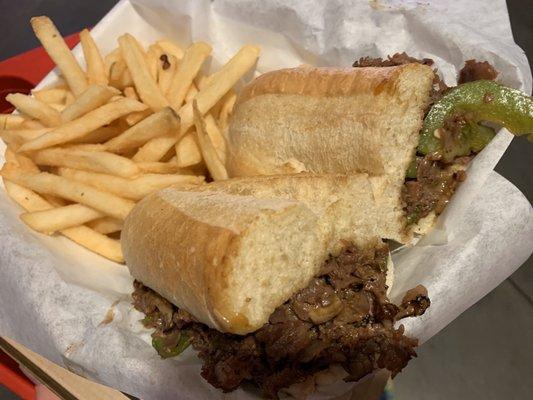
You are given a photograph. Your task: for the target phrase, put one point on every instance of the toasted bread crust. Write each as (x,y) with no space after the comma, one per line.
(327,82)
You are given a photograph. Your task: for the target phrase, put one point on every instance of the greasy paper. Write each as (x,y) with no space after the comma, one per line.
(74,307)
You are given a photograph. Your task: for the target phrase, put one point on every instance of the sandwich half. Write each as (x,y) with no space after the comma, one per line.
(253,282)
(328,120)
(386,120)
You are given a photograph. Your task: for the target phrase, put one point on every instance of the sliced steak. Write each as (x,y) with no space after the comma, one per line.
(477,70)
(342,317)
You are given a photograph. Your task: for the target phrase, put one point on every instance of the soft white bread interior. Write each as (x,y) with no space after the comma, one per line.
(328,120)
(344,204)
(231,252)
(229,260)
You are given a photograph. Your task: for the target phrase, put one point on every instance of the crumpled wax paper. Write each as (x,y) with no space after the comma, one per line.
(74,308)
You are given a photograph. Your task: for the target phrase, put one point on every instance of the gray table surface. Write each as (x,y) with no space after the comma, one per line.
(486,353)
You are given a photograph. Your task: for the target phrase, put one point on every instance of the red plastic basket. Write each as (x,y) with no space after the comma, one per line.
(21,73)
(14,379)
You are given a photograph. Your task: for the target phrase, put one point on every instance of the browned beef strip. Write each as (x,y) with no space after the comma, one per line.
(431,190)
(342,317)
(414,303)
(159,311)
(391,61)
(476,70)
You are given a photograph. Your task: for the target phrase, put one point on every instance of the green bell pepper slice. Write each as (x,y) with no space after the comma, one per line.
(170,345)
(412,170)
(484,101)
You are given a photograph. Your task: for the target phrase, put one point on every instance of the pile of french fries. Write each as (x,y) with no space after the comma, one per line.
(80,154)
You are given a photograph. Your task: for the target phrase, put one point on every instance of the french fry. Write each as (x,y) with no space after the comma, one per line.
(95,64)
(187,151)
(126,79)
(137,44)
(47,183)
(226,109)
(214,165)
(10,121)
(170,47)
(99,135)
(56,219)
(191,63)
(69,98)
(58,50)
(54,200)
(106,225)
(58,84)
(95,96)
(136,117)
(24,163)
(110,59)
(52,95)
(90,160)
(159,124)
(191,93)
(167,70)
(153,59)
(27,164)
(145,85)
(57,107)
(84,147)
(34,108)
(157,167)
(82,235)
(185,148)
(133,189)
(116,71)
(96,242)
(171,167)
(80,127)
(120,77)
(10,156)
(130,93)
(32,124)
(155,149)
(201,80)
(221,82)
(26,198)
(116,97)
(216,137)
(17,137)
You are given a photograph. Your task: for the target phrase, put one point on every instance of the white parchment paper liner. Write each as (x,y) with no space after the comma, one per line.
(56,296)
